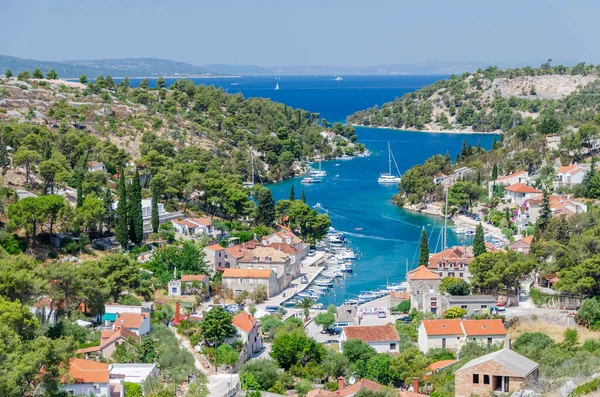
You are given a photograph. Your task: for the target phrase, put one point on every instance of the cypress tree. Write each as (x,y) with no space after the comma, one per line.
(479,146)
(155,219)
(495,143)
(424,250)
(303,197)
(463,150)
(122,227)
(479,241)
(136,221)
(478,177)
(4,161)
(79,191)
(265,211)
(292,194)
(545,212)
(495,172)
(109,218)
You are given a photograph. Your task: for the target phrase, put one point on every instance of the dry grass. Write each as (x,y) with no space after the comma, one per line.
(553,331)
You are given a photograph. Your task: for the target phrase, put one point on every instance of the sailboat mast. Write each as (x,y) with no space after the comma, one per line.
(252,164)
(446,218)
(390,159)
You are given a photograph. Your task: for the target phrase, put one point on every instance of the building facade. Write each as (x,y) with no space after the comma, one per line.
(382,338)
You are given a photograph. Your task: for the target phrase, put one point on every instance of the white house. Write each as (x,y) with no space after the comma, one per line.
(570,175)
(507,180)
(330,136)
(163,216)
(453,333)
(383,338)
(43,310)
(94,166)
(193,226)
(249,332)
(111,310)
(92,378)
(519,192)
(134,373)
(139,324)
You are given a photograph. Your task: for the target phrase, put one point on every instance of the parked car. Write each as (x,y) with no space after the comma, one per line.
(304,280)
(233,308)
(381,314)
(312,253)
(276,310)
(335,330)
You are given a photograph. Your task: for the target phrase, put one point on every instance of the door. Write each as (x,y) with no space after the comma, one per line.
(443,343)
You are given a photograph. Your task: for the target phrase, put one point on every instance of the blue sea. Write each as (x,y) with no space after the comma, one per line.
(350,194)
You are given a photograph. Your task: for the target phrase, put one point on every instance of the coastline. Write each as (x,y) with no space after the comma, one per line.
(458,132)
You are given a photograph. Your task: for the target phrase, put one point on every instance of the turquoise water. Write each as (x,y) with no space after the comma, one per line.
(389,235)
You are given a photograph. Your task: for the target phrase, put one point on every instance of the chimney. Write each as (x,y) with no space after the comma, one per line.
(177,312)
(341,383)
(415,385)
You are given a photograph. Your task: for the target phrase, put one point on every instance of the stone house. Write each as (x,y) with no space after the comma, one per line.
(109,340)
(92,378)
(459,173)
(383,338)
(238,280)
(503,371)
(522,245)
(452,262)
(94,166)
(268,257)
(453,333)
(423,286)
(216,256)
(188,284)
(250,333)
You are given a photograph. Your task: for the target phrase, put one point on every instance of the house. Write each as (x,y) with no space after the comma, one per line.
(383,338)
(284,235)
(92,378)
(346,390)
(559,205)
(139,324)
(423,286)
(134,373)
(548,281)
(188,284)
(459,173)
(519,192)
(112,309)
(216,256)
(443,180)
(330,136)
(238,280)
(452,262)
(522,245)
(194,226)
(440,365)
(248,329)
(267,257)
(45,310)
(503,371)
(570,175)
(109,340)
(221,257)
(472,303)
(94,166)
(507,180)
(163,216)
(453,333)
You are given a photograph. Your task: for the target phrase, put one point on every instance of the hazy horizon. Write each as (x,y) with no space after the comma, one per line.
(272,33)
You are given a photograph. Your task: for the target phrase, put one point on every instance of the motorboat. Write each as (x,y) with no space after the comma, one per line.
(388,177)
(347,267)
(339,78)
(310,180)
(324,282)
(344,157)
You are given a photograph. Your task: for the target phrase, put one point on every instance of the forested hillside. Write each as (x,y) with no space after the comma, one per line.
(492,100)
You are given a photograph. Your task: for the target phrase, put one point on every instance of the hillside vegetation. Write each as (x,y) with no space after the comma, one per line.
(492,100)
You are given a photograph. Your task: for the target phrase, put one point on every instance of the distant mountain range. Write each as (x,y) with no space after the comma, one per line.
(154,67)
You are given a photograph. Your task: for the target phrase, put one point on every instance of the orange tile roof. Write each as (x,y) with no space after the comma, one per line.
(521,188)
(130,320)
(88,350)
(349,390)
(183,222)
(202,221)
(399,295)
(372,333)
(436,366)
(122,332)
(284,247)
(214,247)
(442,327)
(244,321)
(88,371)
(422,273)
(193,277)
(483,327)
(516,173)
(570,169)
(527,240)
(247,273)
(453,252)
(235,252)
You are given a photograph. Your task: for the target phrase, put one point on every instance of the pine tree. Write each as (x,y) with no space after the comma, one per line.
(424,249)
(265,211)
(545,212)
(109,218)
(561,233)
(122,227)
(303,197)
(292,194)
(8,73)
(134,200)
(155,219)
(79,191)
(479,241)
(447,158)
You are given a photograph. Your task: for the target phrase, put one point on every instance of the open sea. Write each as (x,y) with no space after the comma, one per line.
(350,194)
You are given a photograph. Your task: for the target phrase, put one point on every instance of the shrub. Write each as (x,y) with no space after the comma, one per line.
(133,389)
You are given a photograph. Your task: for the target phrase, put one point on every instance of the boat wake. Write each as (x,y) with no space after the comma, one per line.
(400,220)
(359,235)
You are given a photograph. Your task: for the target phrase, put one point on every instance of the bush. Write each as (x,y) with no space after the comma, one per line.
(264,372)
(133,389)
(331,386)
(52,255)
(403,307)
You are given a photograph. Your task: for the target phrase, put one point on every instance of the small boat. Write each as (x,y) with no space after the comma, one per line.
(337,175)
(317,306)
(344,157)
(397,287)
(324,283)
(276,86)
(460,230)
(310,180)
(388,177)
(339,78)
(347,267)
(337,164)
(358,228)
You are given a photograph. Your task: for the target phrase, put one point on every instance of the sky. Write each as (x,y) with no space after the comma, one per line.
(302,32)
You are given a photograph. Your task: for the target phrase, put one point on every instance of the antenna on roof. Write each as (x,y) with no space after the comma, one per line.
(352,380)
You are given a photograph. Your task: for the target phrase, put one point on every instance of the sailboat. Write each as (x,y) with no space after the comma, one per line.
(318,173)
(388,177)
(250,184)
(276,86)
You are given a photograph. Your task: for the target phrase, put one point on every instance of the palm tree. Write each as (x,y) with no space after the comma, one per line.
(305,304)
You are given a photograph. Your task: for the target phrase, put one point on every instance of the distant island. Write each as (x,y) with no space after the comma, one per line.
(155,67)
(488,100)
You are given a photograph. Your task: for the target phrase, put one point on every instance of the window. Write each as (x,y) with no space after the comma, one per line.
(430,288)
(392,346)
(489,341)
(219,254)
(460,275)
(484,306)
(241,281)
(475,378)
(463,306)
(486,379)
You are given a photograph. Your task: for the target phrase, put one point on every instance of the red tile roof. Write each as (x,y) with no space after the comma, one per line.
(88,371)
(516,173)
(235,252)
(453,253)
(442,327)
(214,247)
(244,321)
(399,295)
(483,327)
(436,366)
(193,277)
(372,333)
(284,247)
(247,273)
(183,222)
(130,320)
(422,273)
(349,390)
(202,221)
(521,188)
(570,169)
(527,240)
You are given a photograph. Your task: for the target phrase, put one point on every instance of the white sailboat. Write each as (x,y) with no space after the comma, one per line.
(318,173)
(388,177)
(250,184)
(276,86)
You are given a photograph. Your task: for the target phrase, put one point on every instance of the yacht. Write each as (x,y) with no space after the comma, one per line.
(318,173)
(277,87)
(344,157)
(347,267)
(250,184)
(310,180)
(339,78)
(388,177)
